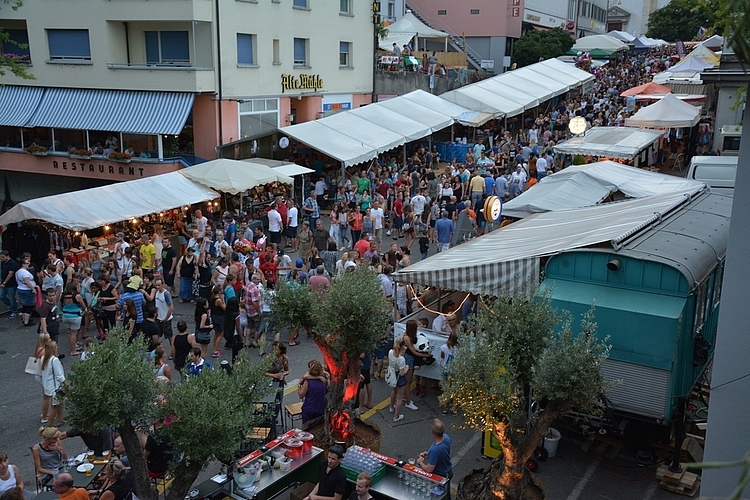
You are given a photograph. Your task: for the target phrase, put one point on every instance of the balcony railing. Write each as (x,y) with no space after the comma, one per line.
(177,66)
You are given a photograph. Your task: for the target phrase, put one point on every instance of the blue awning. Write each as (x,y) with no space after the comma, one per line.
(135,112)
(17,104)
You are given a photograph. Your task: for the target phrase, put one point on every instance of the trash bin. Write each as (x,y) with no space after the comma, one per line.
(550,443)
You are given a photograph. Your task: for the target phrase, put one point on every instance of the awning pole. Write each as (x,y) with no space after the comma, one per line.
(53,139)
(88,146)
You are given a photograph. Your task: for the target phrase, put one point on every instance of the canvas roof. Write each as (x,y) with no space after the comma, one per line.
(233,176)
(647,88)
(410,24)
(604,42)
(714,42)
(668,112)
(622,35)
(588,185)
(120,201)
(614,142)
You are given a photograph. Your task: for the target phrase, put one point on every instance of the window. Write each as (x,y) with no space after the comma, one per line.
(301,4)
(258,116)
(571,9)
(17,45)
(442,12)
(245,49)
(300,52)
(346,7)
(391,9)
(276,58)
(474,12)
(69,44)
(345,49)
(167,47)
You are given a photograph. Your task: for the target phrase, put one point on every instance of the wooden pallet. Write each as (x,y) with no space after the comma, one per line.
(682,483)
(691,450)
(605,448)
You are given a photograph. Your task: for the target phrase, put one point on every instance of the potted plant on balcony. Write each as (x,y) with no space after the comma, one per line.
(120,157)
(80,153)
(36,150)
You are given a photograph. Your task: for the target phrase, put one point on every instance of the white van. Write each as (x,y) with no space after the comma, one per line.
(717,172)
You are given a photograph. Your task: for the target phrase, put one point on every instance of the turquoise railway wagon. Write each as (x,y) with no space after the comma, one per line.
(656,295)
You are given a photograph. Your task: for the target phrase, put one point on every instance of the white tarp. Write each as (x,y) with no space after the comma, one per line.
(615,142)
(507,260)
(233,176)
(95,207)
(623,36)
(668,112)
(588,185)
(513,92)
(691,65)
(361,134)
(603,42)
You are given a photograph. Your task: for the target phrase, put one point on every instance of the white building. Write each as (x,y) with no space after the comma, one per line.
(632,15)
(174,77)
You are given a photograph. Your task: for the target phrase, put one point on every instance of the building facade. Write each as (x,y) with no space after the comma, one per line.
(489,26)
(174,78)
(541,14)
(632,15)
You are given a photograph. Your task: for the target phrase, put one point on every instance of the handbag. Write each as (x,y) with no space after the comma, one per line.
(391,377)
(33,366)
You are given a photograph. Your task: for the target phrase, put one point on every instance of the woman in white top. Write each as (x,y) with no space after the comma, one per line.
(220,273)
(156,239)
(53,377)
(26,291)
(398,362)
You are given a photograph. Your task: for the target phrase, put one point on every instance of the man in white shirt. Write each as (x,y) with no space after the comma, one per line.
(120,247)
(220,246)
(164,310)
(274,226)
(377,216)
(418,203)
(320,191)
(292,221)
(200,223)
(541,167)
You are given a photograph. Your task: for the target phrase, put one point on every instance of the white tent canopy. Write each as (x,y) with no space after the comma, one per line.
(361,134)
(603,42)
(614,142)
(233,176)
(691,64)
(406,28)
(507,260)
(714,42)
(587,185)
(669,112)
(513,92)
(623,36)
(95,207)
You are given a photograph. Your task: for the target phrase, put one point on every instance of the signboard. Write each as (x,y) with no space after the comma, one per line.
(487,64)
(337,102)
(302,82)
(493,209)
(630,103)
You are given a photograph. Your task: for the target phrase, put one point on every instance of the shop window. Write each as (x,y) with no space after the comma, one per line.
(258,116)
(345,49)
(66,139)
(301,4)
(69,44)
(391,9)
(167,47)
(245,49)
(345,7)
(300,52)
(142,145)
(16,45)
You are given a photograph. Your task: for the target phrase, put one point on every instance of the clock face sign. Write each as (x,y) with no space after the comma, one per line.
(493,209)
(284,142)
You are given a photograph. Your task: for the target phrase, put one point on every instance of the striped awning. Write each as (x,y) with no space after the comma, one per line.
(17,104)
(135,112)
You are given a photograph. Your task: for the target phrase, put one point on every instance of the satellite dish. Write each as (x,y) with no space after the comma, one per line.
(284,142)
(577,125)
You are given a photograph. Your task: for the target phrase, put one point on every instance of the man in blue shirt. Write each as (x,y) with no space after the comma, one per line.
(445,229)
(438,458)
(132,291)
(197,363)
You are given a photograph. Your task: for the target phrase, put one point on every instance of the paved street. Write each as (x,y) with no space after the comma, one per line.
(572,474)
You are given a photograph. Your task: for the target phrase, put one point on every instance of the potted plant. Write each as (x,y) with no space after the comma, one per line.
(120,157)
(36,150)
(80,153)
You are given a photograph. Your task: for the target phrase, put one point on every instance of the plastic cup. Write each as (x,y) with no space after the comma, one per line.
(90,456)
(89,472)
(105,455)
(412,461)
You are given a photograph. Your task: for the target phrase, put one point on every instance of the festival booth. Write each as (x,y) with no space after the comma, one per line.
(296,172)
(587,185)
(668,112)
(513,256)
(623,36)
(598,46)
(626,143)
(140,203)
(409,26)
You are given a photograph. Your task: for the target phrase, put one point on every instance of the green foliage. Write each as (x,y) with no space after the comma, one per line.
(17,68)
(113,387)
(208,415)
(352,315)
(738,24)
(293,305)
(541,44)
(681,19)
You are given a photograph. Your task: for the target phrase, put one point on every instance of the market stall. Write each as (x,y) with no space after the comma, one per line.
(668,112)
(614,142)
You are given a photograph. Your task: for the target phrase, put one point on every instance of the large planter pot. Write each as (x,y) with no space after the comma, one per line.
(79,157)
(39,153)
(366,435)
(120,161)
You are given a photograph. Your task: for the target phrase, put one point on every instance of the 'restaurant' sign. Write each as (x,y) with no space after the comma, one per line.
(302,82)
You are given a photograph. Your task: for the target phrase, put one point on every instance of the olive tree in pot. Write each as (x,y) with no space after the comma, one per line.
(512,345)
(348,319)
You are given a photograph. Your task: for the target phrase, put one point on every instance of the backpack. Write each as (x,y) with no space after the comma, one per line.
(391,377)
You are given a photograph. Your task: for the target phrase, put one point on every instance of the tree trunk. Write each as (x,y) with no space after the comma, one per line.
(343,391)
(184,476)
(507,481)
(141,481)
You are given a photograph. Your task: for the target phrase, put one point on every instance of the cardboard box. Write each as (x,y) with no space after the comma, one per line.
(301,491)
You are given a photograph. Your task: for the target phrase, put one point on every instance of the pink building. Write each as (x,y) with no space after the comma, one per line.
(490,26)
